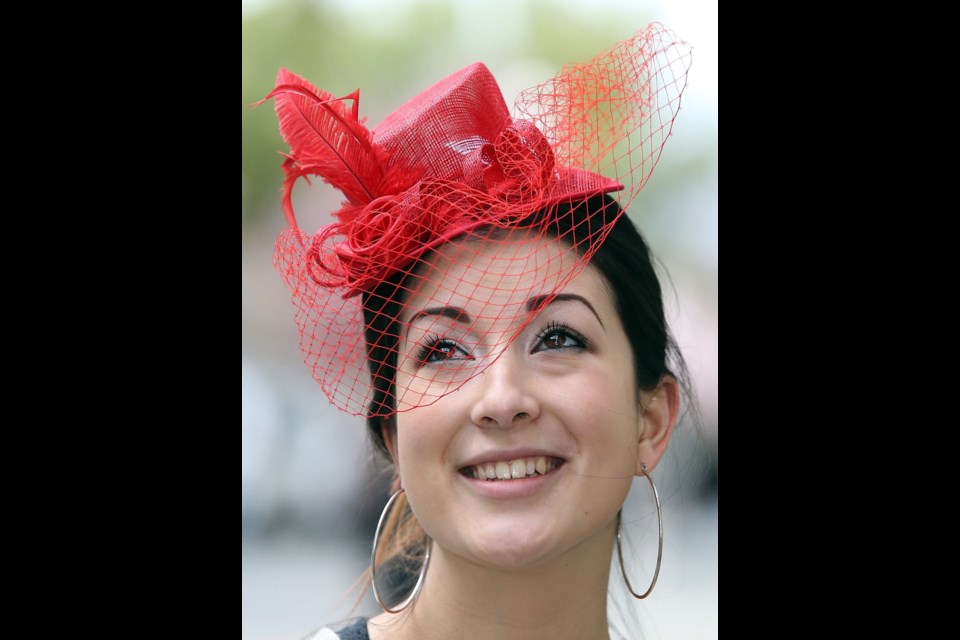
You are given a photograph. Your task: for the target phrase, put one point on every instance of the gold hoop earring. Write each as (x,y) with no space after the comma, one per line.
(623,570)
(373,564)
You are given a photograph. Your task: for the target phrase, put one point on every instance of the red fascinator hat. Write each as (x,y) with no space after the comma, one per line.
(449,162)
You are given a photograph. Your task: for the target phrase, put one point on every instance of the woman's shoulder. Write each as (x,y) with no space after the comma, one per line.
(355,629)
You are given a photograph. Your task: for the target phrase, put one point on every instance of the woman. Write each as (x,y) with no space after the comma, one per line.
(485,304)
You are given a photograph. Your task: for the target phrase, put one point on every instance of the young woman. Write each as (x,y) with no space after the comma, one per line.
(485,303)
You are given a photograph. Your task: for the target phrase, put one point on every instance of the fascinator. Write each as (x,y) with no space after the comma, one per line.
(453,163)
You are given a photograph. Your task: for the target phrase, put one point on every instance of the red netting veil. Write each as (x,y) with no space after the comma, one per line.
(453,195)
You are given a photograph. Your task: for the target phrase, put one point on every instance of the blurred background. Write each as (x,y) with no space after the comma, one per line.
(311,493)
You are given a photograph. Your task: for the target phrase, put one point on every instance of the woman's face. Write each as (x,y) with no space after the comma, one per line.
(534,455)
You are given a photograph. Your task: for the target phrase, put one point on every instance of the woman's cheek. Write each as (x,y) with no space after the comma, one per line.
(419,450)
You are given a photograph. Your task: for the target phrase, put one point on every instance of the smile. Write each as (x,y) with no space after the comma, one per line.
(513,469)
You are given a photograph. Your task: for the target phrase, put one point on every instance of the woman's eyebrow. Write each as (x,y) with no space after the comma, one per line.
(454,313)
(459,315)
(537,302)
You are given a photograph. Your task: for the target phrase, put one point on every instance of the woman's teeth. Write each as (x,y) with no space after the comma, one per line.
(520,468)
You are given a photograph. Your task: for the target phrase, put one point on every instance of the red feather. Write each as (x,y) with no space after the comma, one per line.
(326,139)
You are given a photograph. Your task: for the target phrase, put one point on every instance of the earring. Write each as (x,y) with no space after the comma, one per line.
(656,572)
(373,565)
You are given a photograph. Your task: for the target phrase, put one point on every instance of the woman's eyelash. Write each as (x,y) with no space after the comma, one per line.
(556,336)
(436,349)
(559,334)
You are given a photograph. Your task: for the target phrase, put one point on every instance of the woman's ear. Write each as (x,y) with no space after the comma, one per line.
(658,417)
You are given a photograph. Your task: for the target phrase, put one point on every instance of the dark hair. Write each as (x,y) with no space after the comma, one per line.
(626,264)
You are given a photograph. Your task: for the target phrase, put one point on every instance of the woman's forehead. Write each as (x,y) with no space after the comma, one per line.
(507,273)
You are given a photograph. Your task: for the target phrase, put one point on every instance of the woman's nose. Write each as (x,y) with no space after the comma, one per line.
(506,396)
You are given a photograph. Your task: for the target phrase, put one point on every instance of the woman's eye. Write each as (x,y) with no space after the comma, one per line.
(441,351)
(560,338)
(557,340)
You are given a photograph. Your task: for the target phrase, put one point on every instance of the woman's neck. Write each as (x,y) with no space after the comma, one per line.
(565,597)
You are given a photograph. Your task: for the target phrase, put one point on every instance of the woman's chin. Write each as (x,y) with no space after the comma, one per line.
(511,546)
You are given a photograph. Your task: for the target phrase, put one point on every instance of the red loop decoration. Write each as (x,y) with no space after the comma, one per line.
(524,164)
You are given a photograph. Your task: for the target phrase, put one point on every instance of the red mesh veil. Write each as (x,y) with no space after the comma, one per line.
(460,222)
